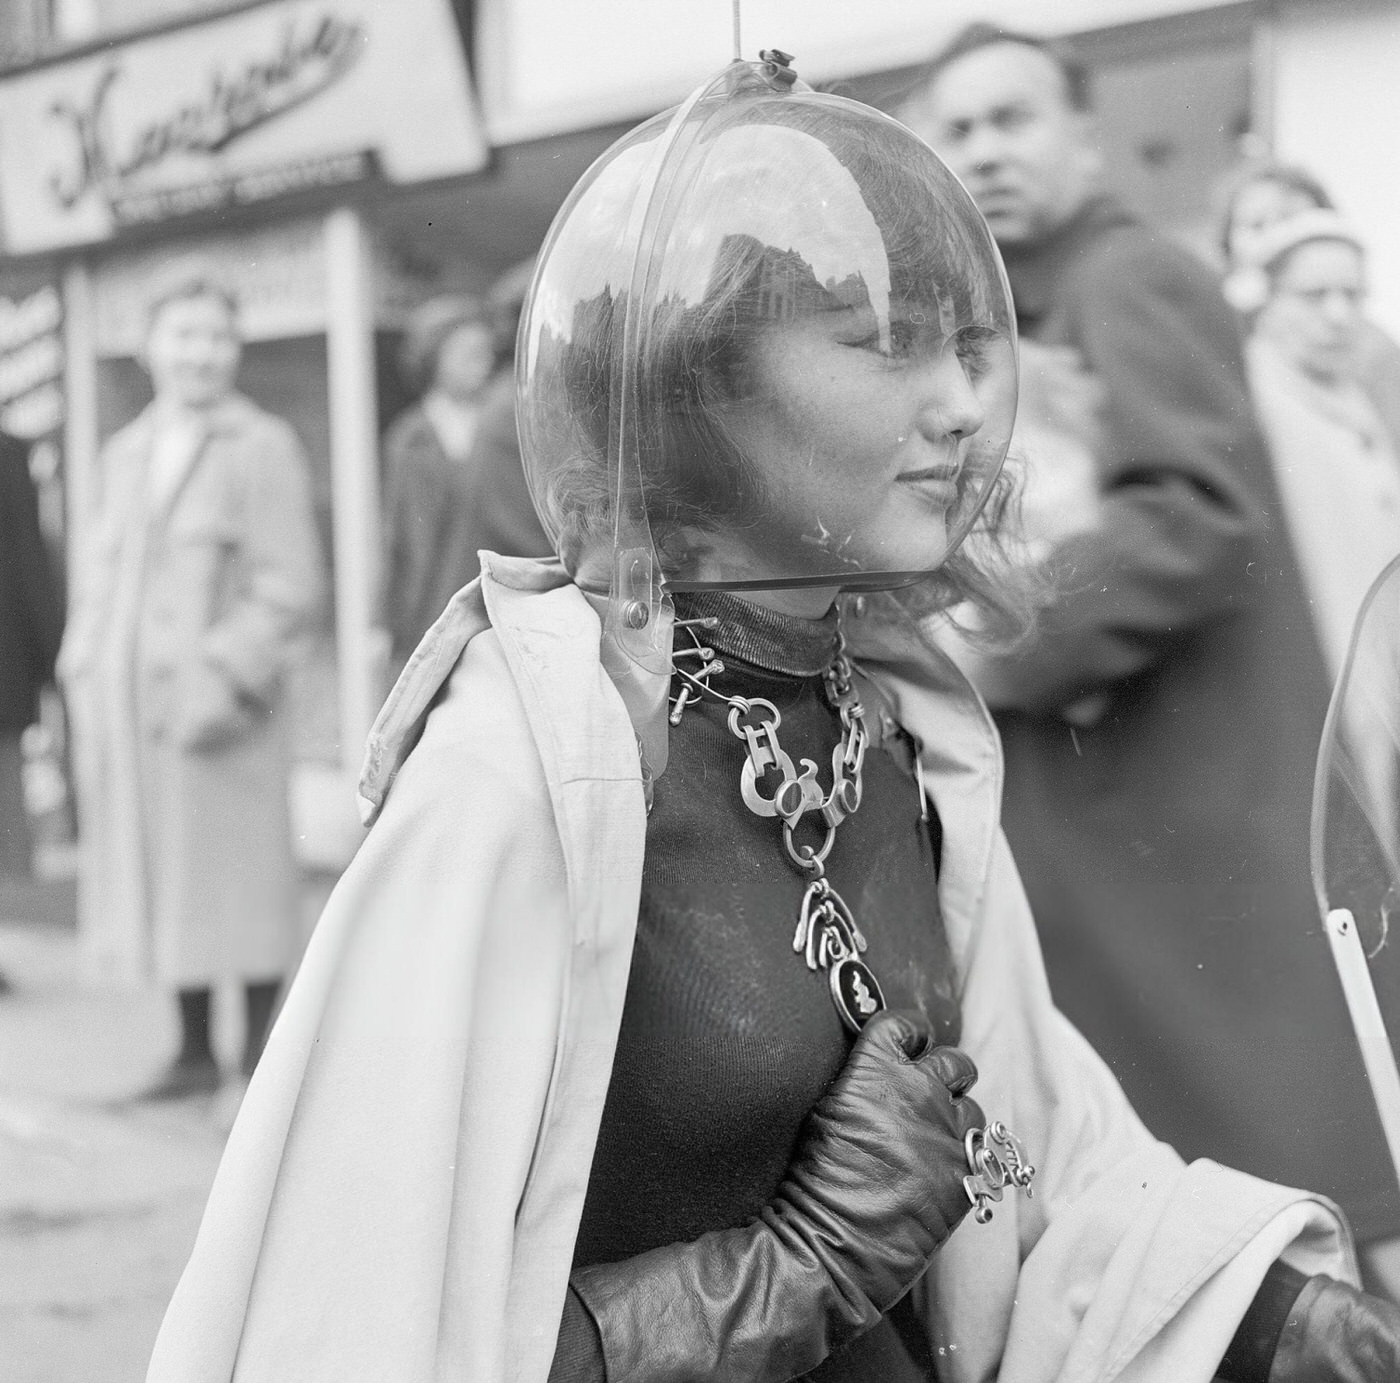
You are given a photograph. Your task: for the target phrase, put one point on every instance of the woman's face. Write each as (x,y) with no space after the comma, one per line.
(192,351)
(1258,206)
(1314,310)
(861,444)
(465,361)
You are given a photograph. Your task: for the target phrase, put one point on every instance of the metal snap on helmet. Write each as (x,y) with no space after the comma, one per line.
(753,204)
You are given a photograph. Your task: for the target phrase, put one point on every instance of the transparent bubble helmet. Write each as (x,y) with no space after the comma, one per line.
(769,343)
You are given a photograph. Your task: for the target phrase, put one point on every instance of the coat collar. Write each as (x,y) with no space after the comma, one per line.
(227,418)
(931,698)
(230,415)
(959,748)
(399,723)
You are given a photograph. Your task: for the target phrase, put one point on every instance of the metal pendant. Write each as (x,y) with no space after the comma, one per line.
(830,939)
(995,1159)
(856,991)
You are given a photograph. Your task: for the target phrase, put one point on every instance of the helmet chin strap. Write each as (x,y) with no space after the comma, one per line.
(638,623)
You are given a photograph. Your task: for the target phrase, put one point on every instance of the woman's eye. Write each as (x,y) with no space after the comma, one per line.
(974,348)
(905,337)
(901,340)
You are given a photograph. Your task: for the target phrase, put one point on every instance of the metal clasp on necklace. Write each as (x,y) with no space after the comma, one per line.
(756,721)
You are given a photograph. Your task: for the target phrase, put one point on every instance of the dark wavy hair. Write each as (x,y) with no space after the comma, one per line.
(182,280)
(1074,71)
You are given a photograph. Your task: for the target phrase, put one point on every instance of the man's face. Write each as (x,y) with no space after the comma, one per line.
(1001,119)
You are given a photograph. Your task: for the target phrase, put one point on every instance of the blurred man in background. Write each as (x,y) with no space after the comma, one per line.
(1160,727)
(200,577)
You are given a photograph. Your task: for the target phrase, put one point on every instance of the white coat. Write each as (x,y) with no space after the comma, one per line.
(401,1192)
(185,616)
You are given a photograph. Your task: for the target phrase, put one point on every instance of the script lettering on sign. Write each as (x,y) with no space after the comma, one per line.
(308,60)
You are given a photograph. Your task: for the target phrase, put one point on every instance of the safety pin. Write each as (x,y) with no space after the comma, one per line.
(687,694)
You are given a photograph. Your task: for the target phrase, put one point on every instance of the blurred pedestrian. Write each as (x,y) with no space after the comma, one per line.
(202,572)
(31,625)
(1334,458)
(1253,200)
(453,479)
(1160,728)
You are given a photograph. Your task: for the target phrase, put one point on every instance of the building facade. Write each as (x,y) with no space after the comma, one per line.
(343,159)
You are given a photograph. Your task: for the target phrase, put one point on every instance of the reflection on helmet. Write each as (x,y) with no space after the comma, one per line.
(749,225)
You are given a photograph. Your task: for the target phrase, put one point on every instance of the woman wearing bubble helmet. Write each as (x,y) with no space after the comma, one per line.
(625,1048)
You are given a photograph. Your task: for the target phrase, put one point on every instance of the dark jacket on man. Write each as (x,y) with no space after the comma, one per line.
(1165,844)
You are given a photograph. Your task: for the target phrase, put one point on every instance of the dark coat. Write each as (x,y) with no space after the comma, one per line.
(31,605)
(1165,845)
(439,513)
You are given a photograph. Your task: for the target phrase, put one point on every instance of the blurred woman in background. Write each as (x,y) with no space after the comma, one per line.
(1335,459)
(452,476)
(201,574)
(1257,198)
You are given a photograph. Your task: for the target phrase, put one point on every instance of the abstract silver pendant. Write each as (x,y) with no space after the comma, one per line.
(995,1159)
(856,991)
(830,940)
(771,785)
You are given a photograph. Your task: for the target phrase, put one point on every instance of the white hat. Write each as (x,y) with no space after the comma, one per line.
(1246,287)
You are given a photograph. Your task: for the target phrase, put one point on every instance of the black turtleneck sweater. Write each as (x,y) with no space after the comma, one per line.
(727,1039)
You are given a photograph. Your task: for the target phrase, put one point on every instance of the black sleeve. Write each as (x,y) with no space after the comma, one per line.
(1183,477)
(578,1355)
(1251,1352)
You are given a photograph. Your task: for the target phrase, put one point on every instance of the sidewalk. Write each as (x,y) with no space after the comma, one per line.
(99,1198)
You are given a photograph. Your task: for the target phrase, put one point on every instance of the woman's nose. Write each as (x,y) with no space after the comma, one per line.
(950,405)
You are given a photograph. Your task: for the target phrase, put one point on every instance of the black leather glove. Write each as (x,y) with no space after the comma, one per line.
(1336,1334)
(873,1191)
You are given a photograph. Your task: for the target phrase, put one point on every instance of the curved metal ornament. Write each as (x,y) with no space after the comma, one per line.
(830,940)
(827,935)
(995,1159)
(826,929)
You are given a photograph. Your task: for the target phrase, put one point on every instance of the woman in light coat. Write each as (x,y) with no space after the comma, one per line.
(559,1093)
(201,574)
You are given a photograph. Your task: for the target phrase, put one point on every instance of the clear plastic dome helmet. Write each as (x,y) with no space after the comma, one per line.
(769,343)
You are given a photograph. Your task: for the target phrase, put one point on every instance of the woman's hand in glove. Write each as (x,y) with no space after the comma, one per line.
(878,1172)
(1336,1334)
(874,1189)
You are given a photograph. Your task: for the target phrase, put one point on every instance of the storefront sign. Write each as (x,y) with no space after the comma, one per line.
(31,363)
(270,100)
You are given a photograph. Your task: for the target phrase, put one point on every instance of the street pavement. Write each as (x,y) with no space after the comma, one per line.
(100,1197)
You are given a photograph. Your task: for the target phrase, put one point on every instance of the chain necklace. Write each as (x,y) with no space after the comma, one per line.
(827,935)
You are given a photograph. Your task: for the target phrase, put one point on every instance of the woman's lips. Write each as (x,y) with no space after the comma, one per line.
(938,483)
